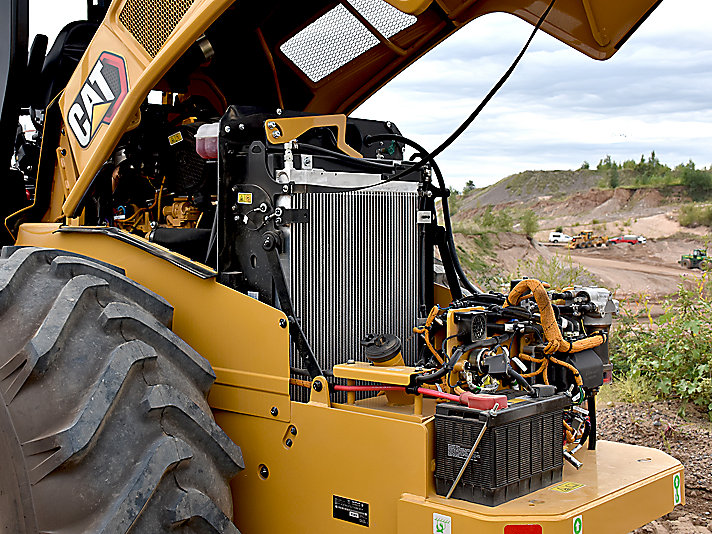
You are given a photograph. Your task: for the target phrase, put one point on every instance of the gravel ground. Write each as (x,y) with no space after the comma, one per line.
(688,439)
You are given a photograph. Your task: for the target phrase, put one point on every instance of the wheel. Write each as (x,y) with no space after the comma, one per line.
(555,241)
(104,423)
(703,264)
(687,264)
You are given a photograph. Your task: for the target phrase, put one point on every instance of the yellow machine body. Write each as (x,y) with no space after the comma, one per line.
(369,451)
(377,453)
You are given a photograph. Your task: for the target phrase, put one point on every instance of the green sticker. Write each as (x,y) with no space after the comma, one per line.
(676,490)
(578,524)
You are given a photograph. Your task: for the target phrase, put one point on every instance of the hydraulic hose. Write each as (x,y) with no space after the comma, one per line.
(370,139)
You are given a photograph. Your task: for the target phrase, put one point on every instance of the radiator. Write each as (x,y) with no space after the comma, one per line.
(353,270)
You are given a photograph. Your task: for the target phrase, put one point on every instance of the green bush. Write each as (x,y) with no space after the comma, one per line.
(557,272)
(691,216)
(674,352)
(698,182)
(530,223)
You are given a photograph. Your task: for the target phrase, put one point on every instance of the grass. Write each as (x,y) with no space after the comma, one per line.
(628,388)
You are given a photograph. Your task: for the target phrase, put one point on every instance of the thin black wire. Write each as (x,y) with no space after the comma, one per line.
(469,120)
(369,139)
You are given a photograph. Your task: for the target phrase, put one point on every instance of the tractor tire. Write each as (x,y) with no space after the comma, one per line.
(703,265)
(104,422)
(687,264)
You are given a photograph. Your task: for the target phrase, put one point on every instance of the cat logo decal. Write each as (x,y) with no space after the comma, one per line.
(100,97)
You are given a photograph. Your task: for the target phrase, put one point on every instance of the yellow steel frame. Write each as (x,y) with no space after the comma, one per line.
(369,451)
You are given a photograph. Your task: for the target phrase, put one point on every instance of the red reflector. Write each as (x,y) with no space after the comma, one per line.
(607,377)
(523,529)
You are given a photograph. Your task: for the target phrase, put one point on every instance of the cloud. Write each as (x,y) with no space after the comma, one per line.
(559,108)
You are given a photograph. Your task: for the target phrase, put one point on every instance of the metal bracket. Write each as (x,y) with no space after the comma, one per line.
(284,216)
(270,243)
(319,393)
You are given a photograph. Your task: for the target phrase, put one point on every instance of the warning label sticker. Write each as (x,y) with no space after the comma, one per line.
(676,489)
(442,524)
(578,525)
(567,487)
(244,198)
(175,138)
(350,510)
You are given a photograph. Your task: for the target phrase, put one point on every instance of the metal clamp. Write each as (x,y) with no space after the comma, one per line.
(472,452)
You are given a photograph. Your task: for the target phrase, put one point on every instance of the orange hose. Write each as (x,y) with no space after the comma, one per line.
(425,330)
(552,333)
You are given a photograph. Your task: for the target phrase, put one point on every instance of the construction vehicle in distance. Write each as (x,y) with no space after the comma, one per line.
(587,239)
(218,309)
(697,260)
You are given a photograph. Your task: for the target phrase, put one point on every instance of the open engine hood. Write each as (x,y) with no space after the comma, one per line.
(597,28)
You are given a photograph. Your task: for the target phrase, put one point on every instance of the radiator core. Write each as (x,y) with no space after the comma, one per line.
(353,270)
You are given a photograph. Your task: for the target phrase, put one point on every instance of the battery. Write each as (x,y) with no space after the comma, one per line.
(520,452)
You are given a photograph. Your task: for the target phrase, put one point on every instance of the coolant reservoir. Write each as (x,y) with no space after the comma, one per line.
(383,350)
(206,140)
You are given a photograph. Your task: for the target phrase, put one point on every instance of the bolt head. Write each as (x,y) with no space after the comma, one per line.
(241,127)
(283,323)
(264,472)
(279,111)
(228,129)
(285,188)
(271,125)
(293,430)
(274,411)
(317,386)
(276,134)
(288,443)
(64,152)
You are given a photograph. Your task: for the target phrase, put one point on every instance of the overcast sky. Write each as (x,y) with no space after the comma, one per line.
(558,109)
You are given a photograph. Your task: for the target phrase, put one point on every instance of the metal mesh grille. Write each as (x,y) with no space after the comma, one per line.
(152,21)
(354,271)
(337,37)
(383,16)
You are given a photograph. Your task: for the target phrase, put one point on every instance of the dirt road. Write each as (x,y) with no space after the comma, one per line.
(632,270)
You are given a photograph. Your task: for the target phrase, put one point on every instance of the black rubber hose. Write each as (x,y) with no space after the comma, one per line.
(459,351)
(370,139)
(511,373)
(314,149)
(592,418)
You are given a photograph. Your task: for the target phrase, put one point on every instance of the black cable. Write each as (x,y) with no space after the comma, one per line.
(466,123)
(592,418)
(343,157)
(370,139)
(511,373)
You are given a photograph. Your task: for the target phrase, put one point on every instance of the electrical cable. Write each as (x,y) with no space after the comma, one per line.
(466,123)
(343,157)
(370,139)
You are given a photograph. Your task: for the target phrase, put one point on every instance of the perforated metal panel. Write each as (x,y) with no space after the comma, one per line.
(152,21)
(383,16)
(338,37)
